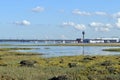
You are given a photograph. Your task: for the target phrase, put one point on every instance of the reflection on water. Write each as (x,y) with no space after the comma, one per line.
(83,50)
(53,51)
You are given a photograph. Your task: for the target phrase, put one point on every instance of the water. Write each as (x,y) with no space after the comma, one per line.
(55,51)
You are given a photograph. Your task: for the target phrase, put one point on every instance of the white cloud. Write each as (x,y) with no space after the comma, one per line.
(116,15)
(101,13)
(101,26)
(38,9)
(74,25)
(96,24)
(118,23)
(105,29)
(80,27)
(68,24)
(117,18)
(109,25)
(24,23)
(82,13)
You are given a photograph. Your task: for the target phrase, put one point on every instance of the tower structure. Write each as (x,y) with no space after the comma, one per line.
(83,33)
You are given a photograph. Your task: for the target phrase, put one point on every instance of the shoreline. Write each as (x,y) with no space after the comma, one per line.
(72,44)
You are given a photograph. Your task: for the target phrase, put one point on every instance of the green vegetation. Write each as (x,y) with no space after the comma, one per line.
(74,44)
(9,49)
(74,67)
(112,49)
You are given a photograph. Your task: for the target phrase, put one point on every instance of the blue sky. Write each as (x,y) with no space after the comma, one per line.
(59,19)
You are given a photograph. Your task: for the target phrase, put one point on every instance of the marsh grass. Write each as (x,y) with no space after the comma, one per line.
(75,44)
(86,67)
(9,49)
(112,49)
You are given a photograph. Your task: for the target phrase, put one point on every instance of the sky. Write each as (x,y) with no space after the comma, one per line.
(59,19)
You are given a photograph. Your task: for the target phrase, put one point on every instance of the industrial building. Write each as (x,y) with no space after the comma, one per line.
(99,40)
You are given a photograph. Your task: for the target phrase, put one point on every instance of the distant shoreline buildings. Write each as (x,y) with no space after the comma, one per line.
(99,40)
(61,41)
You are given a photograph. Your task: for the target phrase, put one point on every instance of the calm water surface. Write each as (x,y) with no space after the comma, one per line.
(54,51)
